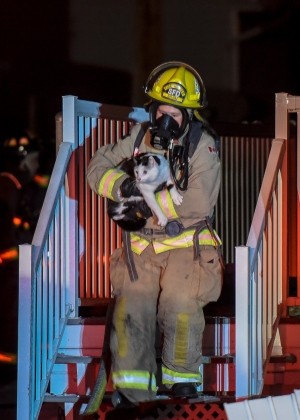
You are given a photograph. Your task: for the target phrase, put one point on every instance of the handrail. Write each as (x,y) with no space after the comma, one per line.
(49,267)
(45,302)
(265,196)
(259,277)
(46,215)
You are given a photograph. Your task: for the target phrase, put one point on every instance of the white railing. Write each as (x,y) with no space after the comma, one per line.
(47,294)
(49,267)
(260,273)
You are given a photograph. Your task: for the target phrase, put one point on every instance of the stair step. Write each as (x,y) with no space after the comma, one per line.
(206,397)
(65,398)
(160,410)
(65,359)
(208,360)
(94,320)
(284,358)
(228,358)
(72,398)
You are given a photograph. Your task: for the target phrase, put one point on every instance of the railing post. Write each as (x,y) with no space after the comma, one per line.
(58,131)
(281,116)
(242,326)
(284,129)
(25,325)
(298,200)
(286,226)
(69,119)
(70,135)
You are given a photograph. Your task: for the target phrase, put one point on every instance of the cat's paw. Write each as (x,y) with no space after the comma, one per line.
(176,197)
(162,220)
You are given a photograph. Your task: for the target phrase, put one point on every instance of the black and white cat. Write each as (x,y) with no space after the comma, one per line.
(152,174)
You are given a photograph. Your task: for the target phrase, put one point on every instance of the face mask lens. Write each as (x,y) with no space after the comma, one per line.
(165,129)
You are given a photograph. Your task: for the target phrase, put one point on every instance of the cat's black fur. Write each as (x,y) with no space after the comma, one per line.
(151,172)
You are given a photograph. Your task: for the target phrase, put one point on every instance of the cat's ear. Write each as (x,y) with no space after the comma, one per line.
(155,159)
(151,161)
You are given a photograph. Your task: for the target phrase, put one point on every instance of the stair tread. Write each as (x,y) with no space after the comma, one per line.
(226,358)
(216,397)
(283,358)
(87,320)
(66,358)
(71,398)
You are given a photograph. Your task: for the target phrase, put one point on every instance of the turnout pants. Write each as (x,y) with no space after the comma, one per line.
(172,288)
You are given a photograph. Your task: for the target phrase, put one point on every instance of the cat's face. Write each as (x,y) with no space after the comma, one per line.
(145,169)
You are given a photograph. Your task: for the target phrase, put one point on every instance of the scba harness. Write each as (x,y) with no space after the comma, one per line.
(179,155)
(179,160)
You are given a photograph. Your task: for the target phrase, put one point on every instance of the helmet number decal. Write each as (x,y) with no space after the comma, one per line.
(174,91)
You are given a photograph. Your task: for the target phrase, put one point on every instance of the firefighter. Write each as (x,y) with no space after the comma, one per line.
(165,275)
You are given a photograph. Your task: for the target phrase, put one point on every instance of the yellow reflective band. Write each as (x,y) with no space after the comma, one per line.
(180,241)
(134,379)
(185,240)
(165,202)
(108,181)
(171,377)
(120,327)
(138,244)
(181,339)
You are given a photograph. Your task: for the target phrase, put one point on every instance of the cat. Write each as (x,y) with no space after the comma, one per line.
(152,174)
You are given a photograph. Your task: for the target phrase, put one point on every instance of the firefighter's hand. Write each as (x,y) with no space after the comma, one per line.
(129,188)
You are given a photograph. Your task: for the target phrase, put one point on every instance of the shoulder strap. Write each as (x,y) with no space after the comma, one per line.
(194,136)
(140,135)
(195,133)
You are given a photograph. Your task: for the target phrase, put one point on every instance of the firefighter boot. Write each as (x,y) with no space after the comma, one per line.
(185,390)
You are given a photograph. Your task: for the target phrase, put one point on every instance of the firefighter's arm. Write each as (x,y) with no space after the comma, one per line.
(103,176)
(204,182)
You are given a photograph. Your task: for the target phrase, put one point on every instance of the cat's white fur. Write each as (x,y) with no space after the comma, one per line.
(147,181)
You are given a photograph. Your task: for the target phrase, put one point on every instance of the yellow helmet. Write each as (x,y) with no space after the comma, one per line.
(178,84)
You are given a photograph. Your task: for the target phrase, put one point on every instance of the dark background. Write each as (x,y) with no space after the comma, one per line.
(36,69)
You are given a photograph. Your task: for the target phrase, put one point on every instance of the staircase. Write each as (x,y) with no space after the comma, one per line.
(79,357)
(65,291)
(74,374)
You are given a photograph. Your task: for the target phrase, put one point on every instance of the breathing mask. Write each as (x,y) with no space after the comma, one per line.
(164,130)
